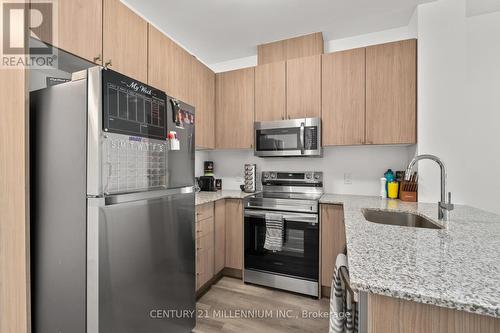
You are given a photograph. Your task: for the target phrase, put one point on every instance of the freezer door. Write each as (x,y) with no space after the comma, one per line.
(141,262)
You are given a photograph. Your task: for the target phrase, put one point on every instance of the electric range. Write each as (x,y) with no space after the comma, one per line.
(292,198)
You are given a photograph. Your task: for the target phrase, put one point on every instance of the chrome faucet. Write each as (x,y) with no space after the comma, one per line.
(443,207)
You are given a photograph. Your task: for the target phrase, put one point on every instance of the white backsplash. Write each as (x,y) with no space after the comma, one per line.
(363,164)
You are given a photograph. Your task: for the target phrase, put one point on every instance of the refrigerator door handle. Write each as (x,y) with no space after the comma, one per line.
(146,195)
(93,207)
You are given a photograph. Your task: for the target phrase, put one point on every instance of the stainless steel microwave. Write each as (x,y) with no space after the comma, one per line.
(294,137)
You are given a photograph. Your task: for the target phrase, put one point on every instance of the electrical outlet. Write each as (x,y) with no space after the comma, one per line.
(347,178)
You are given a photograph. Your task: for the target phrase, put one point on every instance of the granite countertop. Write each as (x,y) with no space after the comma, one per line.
(457,267)
(206,197)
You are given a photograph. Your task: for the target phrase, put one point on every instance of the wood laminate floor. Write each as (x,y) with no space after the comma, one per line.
(232,306)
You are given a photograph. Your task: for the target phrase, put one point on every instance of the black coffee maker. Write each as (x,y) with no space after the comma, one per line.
(207,183)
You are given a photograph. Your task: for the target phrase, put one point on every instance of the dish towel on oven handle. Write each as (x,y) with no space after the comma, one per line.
(274,232)
(342,306)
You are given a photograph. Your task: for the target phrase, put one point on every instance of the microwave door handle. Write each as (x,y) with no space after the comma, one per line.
(302,134)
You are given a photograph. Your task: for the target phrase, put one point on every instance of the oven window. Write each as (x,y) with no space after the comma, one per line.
(278,139)
(299,255)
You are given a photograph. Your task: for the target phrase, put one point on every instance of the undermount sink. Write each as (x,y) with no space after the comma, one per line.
(398,218)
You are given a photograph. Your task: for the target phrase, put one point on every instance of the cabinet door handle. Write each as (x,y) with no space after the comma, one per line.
(97,58)
(107,64)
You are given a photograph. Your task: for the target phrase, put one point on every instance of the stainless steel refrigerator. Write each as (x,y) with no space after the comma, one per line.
(112,207)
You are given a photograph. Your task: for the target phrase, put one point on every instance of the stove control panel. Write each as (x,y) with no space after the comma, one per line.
(281,177)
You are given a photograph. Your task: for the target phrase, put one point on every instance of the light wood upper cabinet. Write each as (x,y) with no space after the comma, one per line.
(219,235)
(80,28)
(297,47)
(303,87)
(271,52)
(160,60)
(332,239)
(170,67)
(391,93)
(125,40)
(234,233)
(270,91)
(234,117)
(182,76)
(204,101)
(343,97)
(304,46)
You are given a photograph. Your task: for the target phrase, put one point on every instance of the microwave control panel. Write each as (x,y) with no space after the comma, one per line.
(311,138)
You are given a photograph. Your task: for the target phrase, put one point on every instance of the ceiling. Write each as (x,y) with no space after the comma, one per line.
(221,30)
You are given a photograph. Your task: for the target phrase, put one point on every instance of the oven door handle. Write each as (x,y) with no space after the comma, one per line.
(305,218)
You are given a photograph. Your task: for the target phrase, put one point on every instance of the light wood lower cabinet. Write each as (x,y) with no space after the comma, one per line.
(394,315)
(333,239)
(204,244)
(234,234)
(220,235)
(125,40)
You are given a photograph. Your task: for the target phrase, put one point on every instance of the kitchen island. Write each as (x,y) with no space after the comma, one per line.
(457,267)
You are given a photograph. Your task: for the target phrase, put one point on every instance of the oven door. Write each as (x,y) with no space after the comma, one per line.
(299,256)
(295,137)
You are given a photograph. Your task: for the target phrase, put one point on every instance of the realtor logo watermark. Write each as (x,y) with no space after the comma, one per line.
(24,25)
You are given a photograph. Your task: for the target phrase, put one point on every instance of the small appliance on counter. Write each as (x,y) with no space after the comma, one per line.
(250,178)
(207,183)
(208,168)
(218,184)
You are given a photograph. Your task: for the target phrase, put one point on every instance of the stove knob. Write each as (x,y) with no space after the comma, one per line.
(273,175)
(266,176)
(316,176)
(308,176)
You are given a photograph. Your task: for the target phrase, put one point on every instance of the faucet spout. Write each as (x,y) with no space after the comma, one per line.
(443,206)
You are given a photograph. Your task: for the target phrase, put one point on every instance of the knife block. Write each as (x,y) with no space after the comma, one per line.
(408,191)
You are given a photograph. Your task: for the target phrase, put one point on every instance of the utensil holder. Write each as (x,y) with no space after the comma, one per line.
(408,191)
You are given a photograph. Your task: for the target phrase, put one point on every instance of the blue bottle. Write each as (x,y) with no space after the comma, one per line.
(389,177)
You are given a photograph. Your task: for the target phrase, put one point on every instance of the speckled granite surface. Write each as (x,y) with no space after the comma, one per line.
(457,267)
(205,197)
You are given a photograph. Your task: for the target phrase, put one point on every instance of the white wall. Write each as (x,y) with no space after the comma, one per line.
(364,164)
(482,126)
(458,102)
(379,37)
(441,71)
